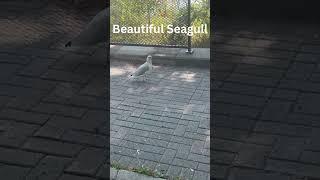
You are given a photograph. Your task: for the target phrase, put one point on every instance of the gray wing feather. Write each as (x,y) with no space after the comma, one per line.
(141,69)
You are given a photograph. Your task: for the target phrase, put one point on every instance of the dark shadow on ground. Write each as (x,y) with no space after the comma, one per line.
(263,88)
(53,105)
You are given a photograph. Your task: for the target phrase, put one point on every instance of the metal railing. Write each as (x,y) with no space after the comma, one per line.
(135,13)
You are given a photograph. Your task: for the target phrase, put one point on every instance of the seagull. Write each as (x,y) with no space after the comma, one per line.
(143,69)
(95,32)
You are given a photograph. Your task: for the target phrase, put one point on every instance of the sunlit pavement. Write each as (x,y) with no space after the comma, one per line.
(161,122)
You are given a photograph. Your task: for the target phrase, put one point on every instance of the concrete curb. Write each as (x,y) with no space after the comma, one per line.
(165,56)
(128,175)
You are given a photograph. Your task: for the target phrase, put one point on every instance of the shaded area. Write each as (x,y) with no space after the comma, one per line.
(265,91)
(284,9)
(52,100)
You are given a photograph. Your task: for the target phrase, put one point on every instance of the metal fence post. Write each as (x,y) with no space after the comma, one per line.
(190,51)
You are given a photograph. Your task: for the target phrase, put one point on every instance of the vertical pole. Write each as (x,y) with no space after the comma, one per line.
(189,24)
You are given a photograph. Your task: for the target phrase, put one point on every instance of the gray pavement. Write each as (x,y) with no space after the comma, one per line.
(265,95)
(161,123)
(52,100)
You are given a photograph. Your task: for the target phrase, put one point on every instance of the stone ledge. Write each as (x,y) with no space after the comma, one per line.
(166,56)
(128,175)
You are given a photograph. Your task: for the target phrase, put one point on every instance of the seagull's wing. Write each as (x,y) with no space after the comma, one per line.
(141,70)
(94,32)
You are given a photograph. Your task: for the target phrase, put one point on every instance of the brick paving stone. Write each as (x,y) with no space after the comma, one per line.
(74,177)
(17,91)
(262,139)
(311,48)
(307,103)
(276,110)
(103,172)
(235,110)
(204,167)
(288,148)
(237,174)
(283,129)
(307,57)
(252,80)
(232,134)
(290,167)
(88,161)
(218,171)
(25,103)
(14,58)
(49,168)
(52,147)
(174,171)
(16,156)
(258,70)
(65,123)
(300,71)
(252,156)
(233,122)
(8,70)
(185,163)
(33,82)
(201,175)
(305,86)
(226,145)
(13,133)
(37,67)
(13,172)
(239,99)
(52,108)
(268,62)
(85,138)
(285,94)
(21,116)
(310,157)
(222,157)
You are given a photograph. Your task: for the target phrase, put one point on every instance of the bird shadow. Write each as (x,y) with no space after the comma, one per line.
(140,83)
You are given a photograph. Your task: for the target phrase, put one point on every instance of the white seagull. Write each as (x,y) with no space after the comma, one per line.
(95,32)
(143,69)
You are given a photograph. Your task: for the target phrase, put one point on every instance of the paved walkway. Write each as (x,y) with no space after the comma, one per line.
(52,100)
(161,123)
(266,97)
(52,103)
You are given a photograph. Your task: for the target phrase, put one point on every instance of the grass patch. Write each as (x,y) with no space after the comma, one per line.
(143,170)
(118,166)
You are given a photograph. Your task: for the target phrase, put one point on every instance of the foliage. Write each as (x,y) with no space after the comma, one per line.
(141,12)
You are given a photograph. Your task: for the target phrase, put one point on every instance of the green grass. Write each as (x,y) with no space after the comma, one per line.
(117,166)
(143,170)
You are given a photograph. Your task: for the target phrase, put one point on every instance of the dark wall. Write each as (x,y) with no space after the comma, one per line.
(302,9)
